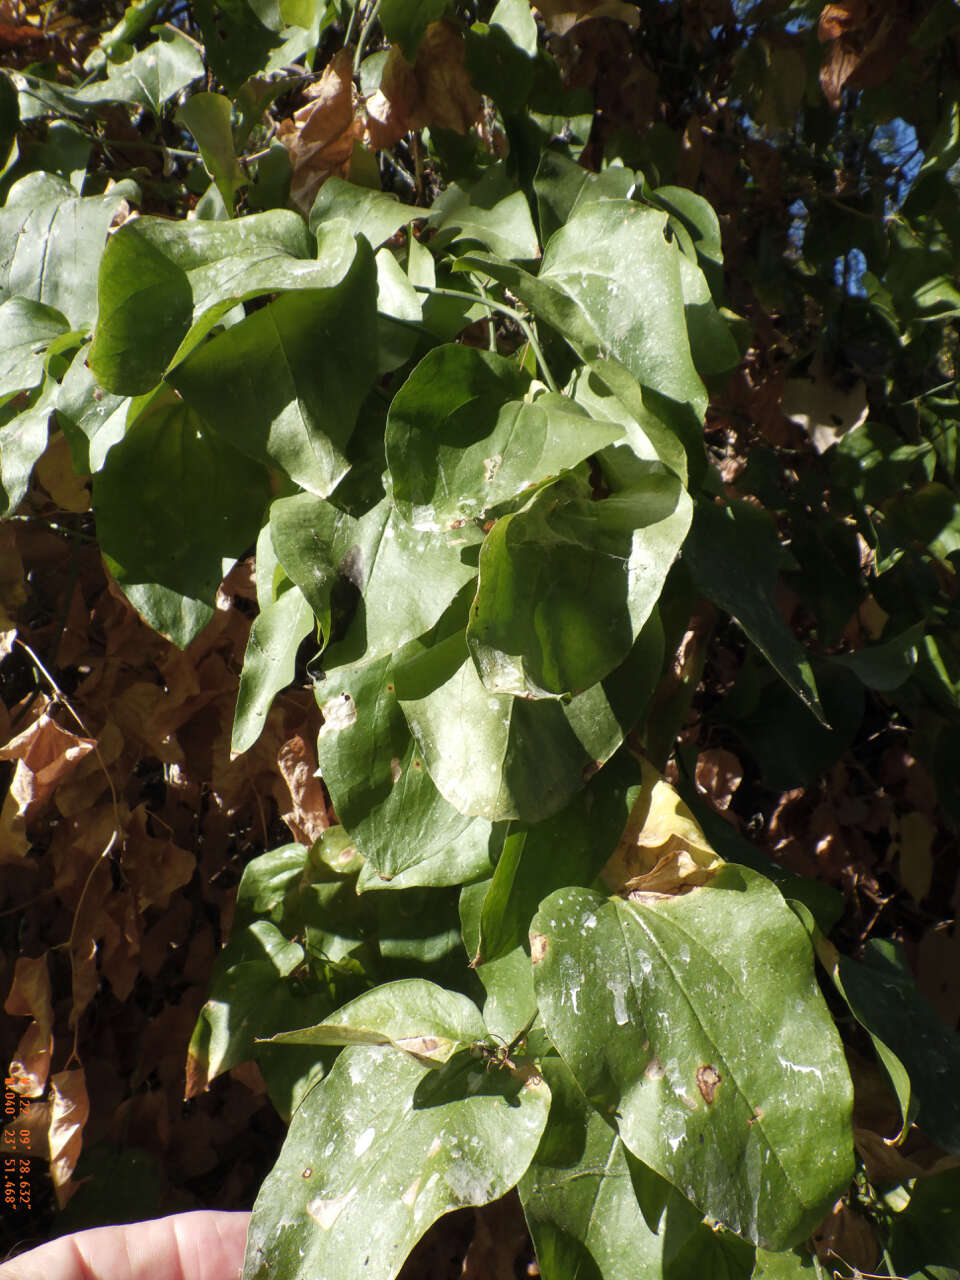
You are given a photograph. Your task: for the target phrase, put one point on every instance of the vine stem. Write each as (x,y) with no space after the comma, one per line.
(507,311)
(364,33)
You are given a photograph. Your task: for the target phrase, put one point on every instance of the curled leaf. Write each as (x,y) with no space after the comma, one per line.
(69,1112)
(320,136)
(29,997)
(662,850)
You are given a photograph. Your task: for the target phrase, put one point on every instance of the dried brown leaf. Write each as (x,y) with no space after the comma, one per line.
(45,755)
(154,867)
(436,91)
(297,762)
(69,1112)
(718,775)
(846,1234)
(30,997)
(321,134)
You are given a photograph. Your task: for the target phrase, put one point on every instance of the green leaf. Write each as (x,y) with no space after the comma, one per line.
(418,1017)
(151,77)
(550,571)
(22,443)
(698,217)
(173,502)
(927,1233)
(608,392)
(491,211)
(285,385)
(92,419)
(405,21)
(461,438)
(722,540)
(521,758)
(884,998)
(268,664)
(381,790)
(578,1195)
(712,344)
(584,1192)
(406,578)
(378,1151)
(28,328)
(164,284)
(176,616)
(51,241)
(207,116)
(568,849)
(695,1019)
(236,41)
(378,215)
(611,284)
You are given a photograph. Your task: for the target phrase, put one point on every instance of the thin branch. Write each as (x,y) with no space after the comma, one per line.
(507,311)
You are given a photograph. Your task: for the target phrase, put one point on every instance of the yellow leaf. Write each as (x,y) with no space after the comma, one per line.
(662,850)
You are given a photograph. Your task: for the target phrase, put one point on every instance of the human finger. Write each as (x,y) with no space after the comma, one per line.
(203,1245)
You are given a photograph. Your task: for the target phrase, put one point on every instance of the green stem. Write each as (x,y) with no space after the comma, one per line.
(507,311)
(350,25)
(365,31)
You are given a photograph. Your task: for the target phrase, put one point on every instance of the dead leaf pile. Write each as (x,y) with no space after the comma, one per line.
(121,844)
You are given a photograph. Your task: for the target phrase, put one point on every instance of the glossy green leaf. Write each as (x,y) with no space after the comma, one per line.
(22,443)
(207,116)
(461,438)
(608,392)
(28,328)
(406,579)
(178,617)
(550,571)
(520,758)
(422,1019)
(722,540)
(268,663)
(285,385)
(585,1194)
(162,281)
(51,241)
(377,215)
(173,502)
(88,416)
(611,284)
(696,1021)
(381,1149)
(380,788)
(568,849)
(500,221)
(578,1195)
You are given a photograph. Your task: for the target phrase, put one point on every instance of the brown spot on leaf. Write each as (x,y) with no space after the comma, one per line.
(538,947)
(307,1173)
(654,1069)
(707,1080)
